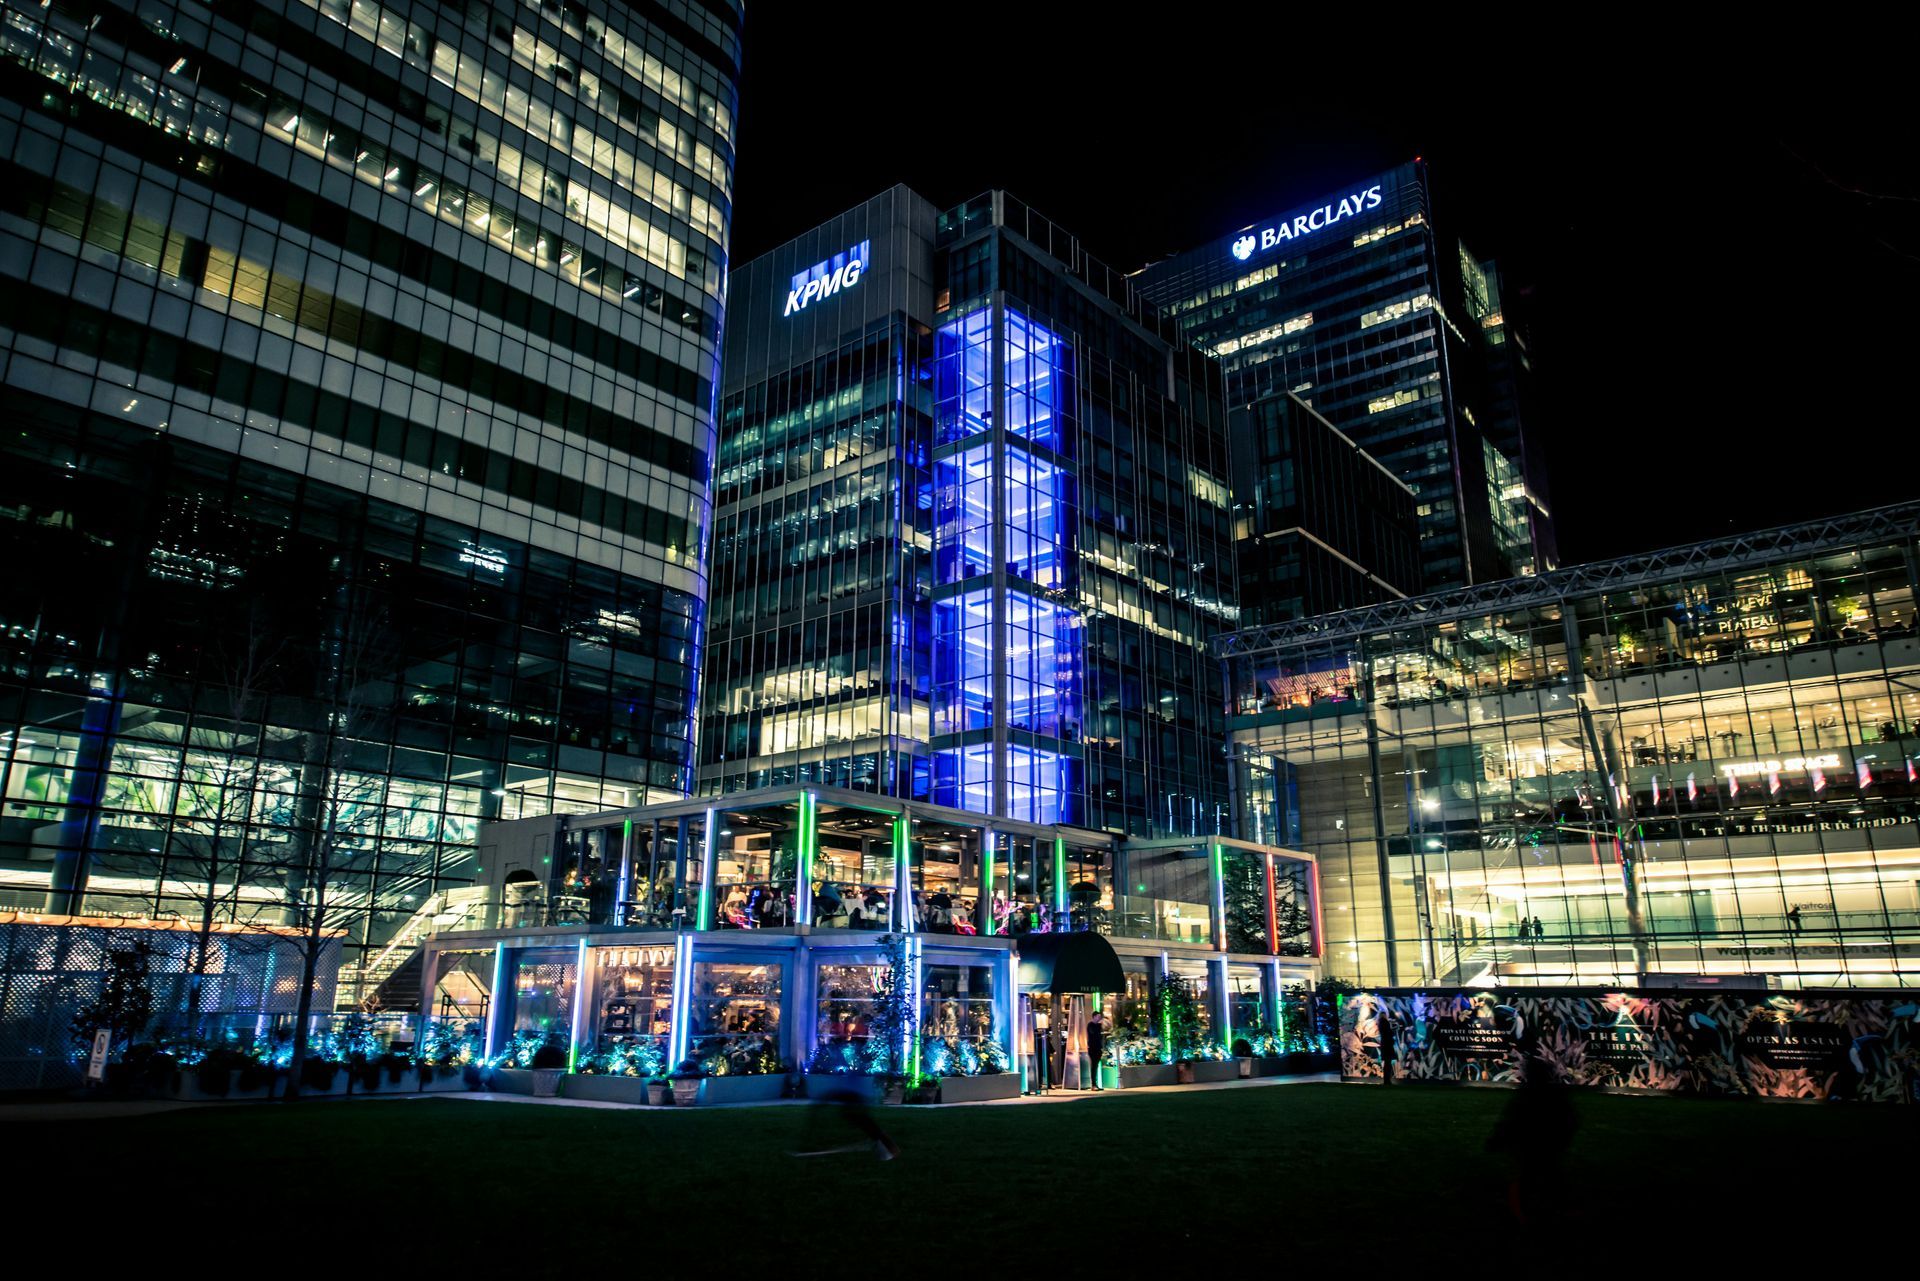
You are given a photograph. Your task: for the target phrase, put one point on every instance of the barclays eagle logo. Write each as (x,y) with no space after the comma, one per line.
(1243,248)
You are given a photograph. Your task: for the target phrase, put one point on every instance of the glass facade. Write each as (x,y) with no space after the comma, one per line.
(1701,761)
(360,362)
(1319,526)
(795,910)
(972,529)
(1360,308)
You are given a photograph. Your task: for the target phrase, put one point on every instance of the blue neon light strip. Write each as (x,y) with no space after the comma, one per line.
(579,1004)
(493,1006)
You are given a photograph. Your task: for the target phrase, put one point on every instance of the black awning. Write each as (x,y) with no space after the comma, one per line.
(1069,963)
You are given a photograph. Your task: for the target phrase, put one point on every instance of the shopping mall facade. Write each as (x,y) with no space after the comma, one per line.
(1699,761)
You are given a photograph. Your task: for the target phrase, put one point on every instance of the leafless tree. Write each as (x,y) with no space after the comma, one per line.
(339,798)
(209,862)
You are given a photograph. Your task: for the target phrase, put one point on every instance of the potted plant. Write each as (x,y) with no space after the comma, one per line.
(686,1080)
(1243,1056)
(659,1091)
(549,1065)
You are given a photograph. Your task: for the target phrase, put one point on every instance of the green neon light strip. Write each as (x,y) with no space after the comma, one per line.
(1059,874)
(902,874)
(710,844)
(809,835)
(989,847)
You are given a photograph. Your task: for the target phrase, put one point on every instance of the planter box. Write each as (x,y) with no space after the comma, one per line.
(453,1079)
(511,1081)
(1211,1071)
(1299,1064)
(978,1089)
(185,1086)
(606,1089)
(1137,1075)
(546,1082)
(821,1085)
(338,1088)
(743,1089)
(1109,1077)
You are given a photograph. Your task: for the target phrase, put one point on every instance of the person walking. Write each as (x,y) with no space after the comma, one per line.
(1793,919)
(1534,1133)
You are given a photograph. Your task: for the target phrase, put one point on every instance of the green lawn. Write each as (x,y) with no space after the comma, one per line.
(1252,1181)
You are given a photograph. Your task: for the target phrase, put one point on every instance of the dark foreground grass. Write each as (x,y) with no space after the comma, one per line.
(1237,1182)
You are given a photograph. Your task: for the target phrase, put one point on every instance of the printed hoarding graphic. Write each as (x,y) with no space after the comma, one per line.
(1764,1045)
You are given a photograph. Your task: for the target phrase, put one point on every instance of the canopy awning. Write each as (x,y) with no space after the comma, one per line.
(1069,963)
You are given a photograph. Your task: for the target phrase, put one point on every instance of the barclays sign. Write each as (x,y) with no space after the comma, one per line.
(1250,242)
(824,279)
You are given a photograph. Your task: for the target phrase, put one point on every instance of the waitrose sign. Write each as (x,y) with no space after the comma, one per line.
(1255,241)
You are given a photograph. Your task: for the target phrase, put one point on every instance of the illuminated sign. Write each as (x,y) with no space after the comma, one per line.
(1307,223)
(824,279)
(1791,765)
(491,559)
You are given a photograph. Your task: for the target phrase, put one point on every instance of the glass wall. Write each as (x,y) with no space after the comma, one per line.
(632,1009)
(733,1017)
(847,994)
(1168,895)
(1739,796)
(543,992)
(960,1022)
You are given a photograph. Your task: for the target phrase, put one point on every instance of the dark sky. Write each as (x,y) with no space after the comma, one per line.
(1724,333)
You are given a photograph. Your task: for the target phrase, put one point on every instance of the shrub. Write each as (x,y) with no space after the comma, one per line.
(549,1056)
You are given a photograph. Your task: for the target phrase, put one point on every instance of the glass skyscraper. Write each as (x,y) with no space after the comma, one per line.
(972,528)
(1319,525)
(360,363)
(1697,761)
(1395,334)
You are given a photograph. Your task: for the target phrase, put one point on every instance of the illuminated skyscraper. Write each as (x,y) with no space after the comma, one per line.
(1395,334)
(360,362)
(972,528)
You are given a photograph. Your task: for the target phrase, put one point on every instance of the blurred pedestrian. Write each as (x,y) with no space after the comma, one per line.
(841,1108)
(1534,1133)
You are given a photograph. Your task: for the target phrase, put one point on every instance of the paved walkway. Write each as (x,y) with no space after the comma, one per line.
(1052,1096)
(116,1109)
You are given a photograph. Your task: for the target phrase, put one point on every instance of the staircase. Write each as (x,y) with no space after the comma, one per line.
(1483,960)
(400,990)
(391,980)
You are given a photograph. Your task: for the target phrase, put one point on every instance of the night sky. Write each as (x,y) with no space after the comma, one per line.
(1723,331)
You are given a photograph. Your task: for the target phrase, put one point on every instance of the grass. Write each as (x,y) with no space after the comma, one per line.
(1247,1181)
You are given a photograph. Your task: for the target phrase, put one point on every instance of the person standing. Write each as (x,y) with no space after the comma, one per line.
(1389,1043)
(1096,1042)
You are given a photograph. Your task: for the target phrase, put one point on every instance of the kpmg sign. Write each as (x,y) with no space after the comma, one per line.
(824,279)
(1247,244)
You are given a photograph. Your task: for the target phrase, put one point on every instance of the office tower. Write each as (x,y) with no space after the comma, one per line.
(972,530)
(1359,305)
(359,362)
(1319,526)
